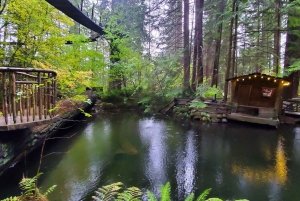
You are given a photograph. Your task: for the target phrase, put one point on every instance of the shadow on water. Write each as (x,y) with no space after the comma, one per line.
(235,160)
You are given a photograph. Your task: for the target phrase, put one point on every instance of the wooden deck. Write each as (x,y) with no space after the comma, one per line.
(253,119)
(31,121)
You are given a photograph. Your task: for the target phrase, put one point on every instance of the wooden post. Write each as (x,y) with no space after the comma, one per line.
(34,109)
(40,96)
(48,94)
(27,102)
(54,94)
(13,96)
(4,97)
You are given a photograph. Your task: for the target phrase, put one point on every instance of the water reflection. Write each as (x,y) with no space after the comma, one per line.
(153,137)
(186,166)
(266,174)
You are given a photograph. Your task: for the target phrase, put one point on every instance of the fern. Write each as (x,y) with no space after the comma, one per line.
(203,195)
(130,194)
(50,190)
(190,197)
(11,199)
(151,196)
(28,186)
(214,199)
(165,191)
(108,192)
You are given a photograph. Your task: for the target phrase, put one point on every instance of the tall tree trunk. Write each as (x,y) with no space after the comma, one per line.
(276,56)
(186,66)
(234,66)
(195,54)
(215,73)
(229,53)
(292,53)
(200,44)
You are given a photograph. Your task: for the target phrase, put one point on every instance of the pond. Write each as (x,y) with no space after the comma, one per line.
(235,160)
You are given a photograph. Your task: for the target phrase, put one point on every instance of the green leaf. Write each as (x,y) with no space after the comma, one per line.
(203,195)
(190,197)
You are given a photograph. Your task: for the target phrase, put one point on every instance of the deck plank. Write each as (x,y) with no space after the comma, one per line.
(253,119)
(33,121)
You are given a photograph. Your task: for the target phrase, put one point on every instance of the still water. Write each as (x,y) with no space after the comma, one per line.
(235,160)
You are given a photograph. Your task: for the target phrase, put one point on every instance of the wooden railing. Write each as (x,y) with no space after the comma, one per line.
(28,94)
(291,105)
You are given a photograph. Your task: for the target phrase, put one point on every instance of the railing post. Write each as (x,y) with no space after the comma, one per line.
(40,97)
(54,94)
(28,108)
(13,96)
(4,97)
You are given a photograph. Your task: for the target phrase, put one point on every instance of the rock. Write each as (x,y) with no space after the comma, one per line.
(215,120)
(197,117)
(219,116)
(224,120)
(184,109)
(196,114)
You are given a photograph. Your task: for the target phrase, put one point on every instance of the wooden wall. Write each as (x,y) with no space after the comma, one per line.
(247,91)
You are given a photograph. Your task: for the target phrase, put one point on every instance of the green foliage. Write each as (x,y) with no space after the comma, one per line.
(165,192)
(203,195)
(111,191)
(130,194)
(190,197)
(115,192)
(197,104)
(106,193)
(206,91)
(151,196)
(11,199)
(30,190)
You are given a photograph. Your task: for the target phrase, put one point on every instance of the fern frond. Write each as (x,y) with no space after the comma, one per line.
(28,186)
(214,199)
(108,192)
(242,200)
(190,197)
(11,199)
(165,191)
(50,190)
(130,194)
(151,196)
(203,195)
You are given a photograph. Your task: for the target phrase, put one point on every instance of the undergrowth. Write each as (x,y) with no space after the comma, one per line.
(118,192)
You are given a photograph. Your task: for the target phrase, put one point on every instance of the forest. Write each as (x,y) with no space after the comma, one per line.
(160,48)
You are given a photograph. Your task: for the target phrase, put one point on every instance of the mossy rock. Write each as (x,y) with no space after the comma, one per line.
(176,110)
(184,109)
(219,116)
(196,114)
(203,113)
(197,117)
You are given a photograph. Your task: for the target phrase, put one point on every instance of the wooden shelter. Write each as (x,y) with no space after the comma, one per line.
(257,98)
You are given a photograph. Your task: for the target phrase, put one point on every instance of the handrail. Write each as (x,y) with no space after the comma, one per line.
(28,94)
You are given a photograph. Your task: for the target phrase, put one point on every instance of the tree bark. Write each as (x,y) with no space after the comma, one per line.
(276,56)
(195,54)
(292,54)
(186,66)
(200,44)
(229,53)
(215,73)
